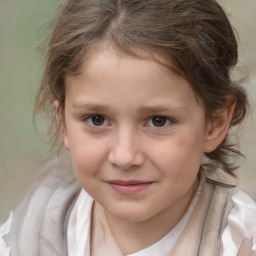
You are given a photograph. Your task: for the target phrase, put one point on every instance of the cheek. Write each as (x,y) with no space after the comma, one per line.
(87,157)
(179,158)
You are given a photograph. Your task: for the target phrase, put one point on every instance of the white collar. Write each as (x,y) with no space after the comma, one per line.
(79,230)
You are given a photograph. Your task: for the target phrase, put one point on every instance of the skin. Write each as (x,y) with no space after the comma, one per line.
(131,121)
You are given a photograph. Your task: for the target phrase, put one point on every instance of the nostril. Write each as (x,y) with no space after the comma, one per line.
(126,159)
(125,149)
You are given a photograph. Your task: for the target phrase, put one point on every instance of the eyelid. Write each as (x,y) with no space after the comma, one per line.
(89,123)
(169,121)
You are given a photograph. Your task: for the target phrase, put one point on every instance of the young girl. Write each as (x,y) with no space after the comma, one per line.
(140,94)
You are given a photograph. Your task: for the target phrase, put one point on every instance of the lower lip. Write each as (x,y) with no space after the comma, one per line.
(129,189)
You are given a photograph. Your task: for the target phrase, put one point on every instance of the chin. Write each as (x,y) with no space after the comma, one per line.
(130,215)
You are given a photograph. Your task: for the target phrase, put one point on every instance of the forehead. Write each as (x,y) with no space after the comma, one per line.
(106,48)
(109,76)
(101,57)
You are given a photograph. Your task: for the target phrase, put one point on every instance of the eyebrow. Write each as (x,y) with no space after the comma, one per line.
(142,109)
(161,109)
(89,106)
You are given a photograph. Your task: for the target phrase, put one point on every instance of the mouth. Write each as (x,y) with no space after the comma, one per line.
(128,187)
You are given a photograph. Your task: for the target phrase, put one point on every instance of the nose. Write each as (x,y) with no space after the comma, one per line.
(126,151)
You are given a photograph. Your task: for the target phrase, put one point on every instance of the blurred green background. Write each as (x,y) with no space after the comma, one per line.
(22,150)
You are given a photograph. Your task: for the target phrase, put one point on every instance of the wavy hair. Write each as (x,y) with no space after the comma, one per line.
(194,36)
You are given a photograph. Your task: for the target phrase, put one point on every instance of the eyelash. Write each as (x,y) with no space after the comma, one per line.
(103,121)
(89,121)
(167,121)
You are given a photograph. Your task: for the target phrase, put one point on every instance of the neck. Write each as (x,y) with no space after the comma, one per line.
(135,236)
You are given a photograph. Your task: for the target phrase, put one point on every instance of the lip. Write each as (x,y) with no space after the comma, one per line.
(129,187)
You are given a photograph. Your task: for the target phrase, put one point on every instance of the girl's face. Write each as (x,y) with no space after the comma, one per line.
(136,133)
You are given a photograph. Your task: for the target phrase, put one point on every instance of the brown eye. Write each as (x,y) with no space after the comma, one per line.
(158,121)
(97,120)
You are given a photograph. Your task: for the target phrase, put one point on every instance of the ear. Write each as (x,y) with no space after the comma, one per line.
(63,129)
(217,129)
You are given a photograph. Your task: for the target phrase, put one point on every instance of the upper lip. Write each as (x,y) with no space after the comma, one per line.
(127,182)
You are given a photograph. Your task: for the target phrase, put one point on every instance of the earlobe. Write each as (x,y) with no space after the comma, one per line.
(65,137)
(62,125)
(218,128)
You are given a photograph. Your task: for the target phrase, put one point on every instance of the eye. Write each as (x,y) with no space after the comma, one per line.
(96,120)
(159,121)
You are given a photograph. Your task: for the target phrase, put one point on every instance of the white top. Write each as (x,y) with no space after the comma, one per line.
(79,230)
(241,224)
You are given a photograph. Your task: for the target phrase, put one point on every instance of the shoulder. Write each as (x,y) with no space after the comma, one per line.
(44,207)
(243,215)
(4,230)
(243,203)
(241,223)
(53,180)
(54,175)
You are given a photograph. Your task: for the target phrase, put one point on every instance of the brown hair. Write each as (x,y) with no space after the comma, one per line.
(194,35)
